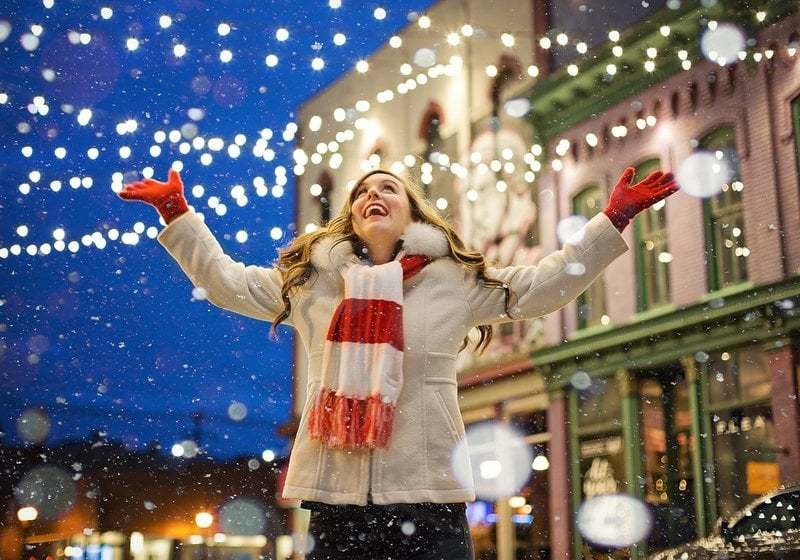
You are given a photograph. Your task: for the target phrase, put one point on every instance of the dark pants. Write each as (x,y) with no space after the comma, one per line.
(389,532)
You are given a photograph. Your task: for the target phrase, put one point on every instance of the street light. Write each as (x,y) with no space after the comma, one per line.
(204,520)
(26,516)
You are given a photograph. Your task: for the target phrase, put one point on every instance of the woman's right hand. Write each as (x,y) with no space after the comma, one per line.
(167,198)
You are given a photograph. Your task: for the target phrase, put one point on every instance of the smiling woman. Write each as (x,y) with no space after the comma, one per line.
(381,297)
(380,214)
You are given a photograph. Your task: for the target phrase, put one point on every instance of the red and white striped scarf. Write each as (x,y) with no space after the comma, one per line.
(362,363)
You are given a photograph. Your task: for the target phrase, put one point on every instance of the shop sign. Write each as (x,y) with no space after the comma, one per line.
(599,479)
(736,425)
(597,461)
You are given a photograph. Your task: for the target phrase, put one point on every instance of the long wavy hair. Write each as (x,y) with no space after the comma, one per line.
(294,261)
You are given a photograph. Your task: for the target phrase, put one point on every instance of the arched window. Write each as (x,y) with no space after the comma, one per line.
(712,86)
(652,254)
(694,96)
(724,219)
(592,302)
(732,78)
(509,69)
(675,103)
(429,130)
(430,133)
(326,182)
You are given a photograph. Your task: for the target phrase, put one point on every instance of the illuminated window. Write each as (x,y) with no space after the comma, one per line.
(724,218)
(742,427)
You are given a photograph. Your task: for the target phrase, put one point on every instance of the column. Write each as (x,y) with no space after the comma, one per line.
(505,530)
(559,479)
(702,464)
(504,526)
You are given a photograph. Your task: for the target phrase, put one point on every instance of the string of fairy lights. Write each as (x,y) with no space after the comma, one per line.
(728,48)
(508,41)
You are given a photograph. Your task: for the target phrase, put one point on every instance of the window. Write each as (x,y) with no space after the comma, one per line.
(712,86)
(743,435)
(599,402)
(652,253)
(592,302)
(601,458)
(433,138)
(509,69)
(675,103)
(326,182)
(530,517)
(724,219)
(667,455)
(430,133)
(694,96)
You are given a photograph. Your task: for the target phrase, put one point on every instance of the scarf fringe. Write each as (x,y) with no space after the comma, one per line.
(350,422)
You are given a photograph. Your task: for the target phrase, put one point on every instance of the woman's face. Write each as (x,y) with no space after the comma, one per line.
(380,210)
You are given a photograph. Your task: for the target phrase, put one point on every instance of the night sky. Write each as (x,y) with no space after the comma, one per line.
(108,336)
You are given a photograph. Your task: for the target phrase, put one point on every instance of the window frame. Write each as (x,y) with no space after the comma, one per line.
(714,211)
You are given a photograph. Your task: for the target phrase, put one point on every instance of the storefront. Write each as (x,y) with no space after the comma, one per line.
(694,414)
(518,525)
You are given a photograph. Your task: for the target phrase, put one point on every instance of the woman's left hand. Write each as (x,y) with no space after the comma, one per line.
(627,200)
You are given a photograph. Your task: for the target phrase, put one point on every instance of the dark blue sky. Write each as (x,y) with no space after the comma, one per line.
(110,339)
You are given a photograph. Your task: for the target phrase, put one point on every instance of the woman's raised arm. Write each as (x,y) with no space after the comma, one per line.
(553,282)
(563,275)
(250,290)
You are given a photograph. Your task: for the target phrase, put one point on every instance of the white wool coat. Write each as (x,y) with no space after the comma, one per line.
(441,304)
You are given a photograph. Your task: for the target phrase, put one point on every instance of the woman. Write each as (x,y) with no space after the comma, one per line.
(383,298)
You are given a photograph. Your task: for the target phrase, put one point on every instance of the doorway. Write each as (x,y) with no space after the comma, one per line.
(668,485)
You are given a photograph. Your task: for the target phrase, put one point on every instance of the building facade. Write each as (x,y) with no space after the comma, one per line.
(674,377)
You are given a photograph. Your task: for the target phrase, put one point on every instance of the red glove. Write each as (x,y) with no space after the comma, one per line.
(626,201)
(167,197)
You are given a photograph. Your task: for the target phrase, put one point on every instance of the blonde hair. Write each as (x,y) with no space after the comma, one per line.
(294,261)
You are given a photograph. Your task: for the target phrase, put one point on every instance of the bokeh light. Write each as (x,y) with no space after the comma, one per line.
(517,107)
(571,228)
(703,174)
(722,43)
(49,489)
(33,425)
(243,516)
(500,460)
(614,520)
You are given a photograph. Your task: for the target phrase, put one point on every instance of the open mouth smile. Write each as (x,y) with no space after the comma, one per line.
(375,210)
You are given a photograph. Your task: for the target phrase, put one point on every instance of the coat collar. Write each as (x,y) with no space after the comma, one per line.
(418,239)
